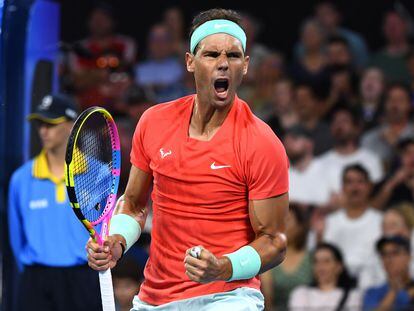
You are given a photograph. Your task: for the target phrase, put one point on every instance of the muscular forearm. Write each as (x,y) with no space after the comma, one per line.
(271,249)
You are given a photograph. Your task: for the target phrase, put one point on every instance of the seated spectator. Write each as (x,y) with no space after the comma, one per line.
(398,186)
(269,70)
(338,52)
(131,106)
(343,89)
(174,20)
(283,115)
(255,49)
(356,227)
(127,278)
(311,67)
(396,124)
(397,293)
(307,104)
(332,287)
(162,72)
(100,65)
(371,89)
(345,131)
(296,269)
(329,16)
(392,57)
(399,220)
(305,169)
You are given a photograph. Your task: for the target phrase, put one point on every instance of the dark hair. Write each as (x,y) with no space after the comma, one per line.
(302,218)
(354,113)
(318,93)
(357,168)
(398,85)
(404,143)
(338,39)
(217,13)
(344,281)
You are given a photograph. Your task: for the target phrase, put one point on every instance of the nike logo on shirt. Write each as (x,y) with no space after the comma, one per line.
(213,166)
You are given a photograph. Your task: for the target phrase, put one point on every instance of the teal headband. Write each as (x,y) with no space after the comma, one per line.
(217,26)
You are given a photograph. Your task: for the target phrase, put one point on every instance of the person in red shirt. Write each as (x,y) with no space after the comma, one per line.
(100,67)
(220,186)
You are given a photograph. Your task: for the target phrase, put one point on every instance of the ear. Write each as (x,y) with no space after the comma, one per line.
(246,64)
(189,60)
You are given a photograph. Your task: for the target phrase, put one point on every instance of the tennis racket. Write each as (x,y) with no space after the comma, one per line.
(93,162)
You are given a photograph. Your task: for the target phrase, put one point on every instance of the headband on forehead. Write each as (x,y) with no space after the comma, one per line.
(217,26)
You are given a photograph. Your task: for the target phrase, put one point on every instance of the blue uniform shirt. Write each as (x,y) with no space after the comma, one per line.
(42,226)
(374,296)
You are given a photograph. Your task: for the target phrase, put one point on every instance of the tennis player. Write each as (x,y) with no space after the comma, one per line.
(220,182)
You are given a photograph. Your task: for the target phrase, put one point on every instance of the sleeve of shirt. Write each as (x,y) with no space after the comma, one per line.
(139,155)
(16,234)
(268,165)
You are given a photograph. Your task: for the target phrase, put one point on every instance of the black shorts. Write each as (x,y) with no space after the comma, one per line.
(59,289)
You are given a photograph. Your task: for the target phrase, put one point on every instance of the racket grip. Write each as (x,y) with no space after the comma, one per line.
(107,290)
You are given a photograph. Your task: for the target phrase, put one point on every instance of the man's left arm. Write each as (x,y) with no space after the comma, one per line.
(268,219)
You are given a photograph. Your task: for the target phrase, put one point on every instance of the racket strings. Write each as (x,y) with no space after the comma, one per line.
(93,167)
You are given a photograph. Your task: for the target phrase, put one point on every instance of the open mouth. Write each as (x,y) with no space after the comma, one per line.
(221,86)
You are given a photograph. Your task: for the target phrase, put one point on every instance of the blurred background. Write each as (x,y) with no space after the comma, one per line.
(333,79)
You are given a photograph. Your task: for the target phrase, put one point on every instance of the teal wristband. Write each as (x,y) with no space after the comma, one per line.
(126,226)
(245,262)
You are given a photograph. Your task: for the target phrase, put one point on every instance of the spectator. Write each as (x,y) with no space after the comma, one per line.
(397,293)
(338,52)
(283,115)
(307,105)
(174,20)
(256,50)
(328,15)
(305,169)
(101,64)
(398,187)
(399,220)
(345,131)
(296,269)
(127,278)
(392,57)
(55,274)
(343,89)
(396,124)
(134,102)
(311,67)
(269,70)
(332,288)
(371,88)
(162,72)
(355,227)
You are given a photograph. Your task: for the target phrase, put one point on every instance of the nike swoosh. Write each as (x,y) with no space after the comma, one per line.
(213,166)
(217,26)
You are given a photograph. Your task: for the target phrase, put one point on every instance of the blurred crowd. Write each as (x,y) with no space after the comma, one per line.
(345,115)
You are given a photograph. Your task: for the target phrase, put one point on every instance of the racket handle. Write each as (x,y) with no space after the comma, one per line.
(107,290)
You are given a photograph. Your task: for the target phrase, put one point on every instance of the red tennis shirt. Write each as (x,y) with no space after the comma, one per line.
(201,191)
